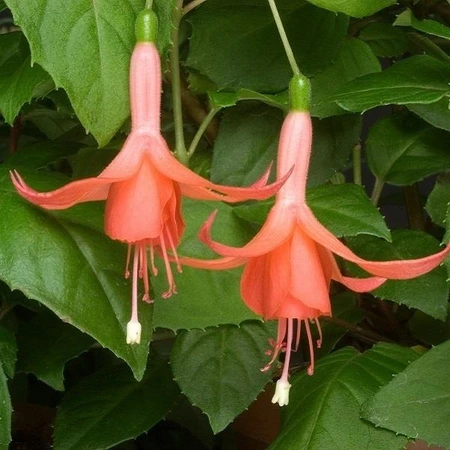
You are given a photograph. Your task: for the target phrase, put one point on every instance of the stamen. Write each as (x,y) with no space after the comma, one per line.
(287,359)
(277,345)
(152,261)
(146,296)
(141,259)
(319,329)
(172,287)
(127,266)
(174,251)
(298,334)
(133,326)
(311,348)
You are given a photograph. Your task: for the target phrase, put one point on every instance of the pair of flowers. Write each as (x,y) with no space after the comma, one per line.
(288,265)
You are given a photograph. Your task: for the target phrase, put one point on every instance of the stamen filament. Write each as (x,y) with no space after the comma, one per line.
(311,348)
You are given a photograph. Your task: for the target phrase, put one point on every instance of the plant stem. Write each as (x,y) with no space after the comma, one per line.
(414,207)
(356,329)
(180,147)
(357,177)
(284,38)
(149,4)
(192,5)
(201,130)
(376,193)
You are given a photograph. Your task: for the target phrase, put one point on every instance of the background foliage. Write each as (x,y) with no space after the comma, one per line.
(380,72)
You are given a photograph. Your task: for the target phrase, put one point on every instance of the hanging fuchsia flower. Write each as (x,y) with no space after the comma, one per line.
(289,264)
(143,185)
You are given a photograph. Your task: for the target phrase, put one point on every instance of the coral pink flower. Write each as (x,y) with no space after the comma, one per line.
(143,186)
(290,262)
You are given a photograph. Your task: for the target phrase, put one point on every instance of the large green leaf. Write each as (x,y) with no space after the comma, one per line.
(439,199)
(323,411)
(5,412)
(402,150)
(248,139)
(85,46)
(347,210)
(429,330)
(384,39)
(235,43)
(416,402)
(205,298)
(415,293)
(219,368)
(19,81)
(344,209)
(46,343)
(8,352)
(109,407)
(63,260)
(437,113)
(354,8)
(418,79)
(354,60)
(407,19)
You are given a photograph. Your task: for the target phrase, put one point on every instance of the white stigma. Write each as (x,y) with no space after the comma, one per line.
(281,395)
(134,329)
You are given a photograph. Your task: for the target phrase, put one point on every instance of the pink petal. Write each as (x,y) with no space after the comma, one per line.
(90,189)
(167,164)
(277,229)
(362,284)
(395,270)
(212,264)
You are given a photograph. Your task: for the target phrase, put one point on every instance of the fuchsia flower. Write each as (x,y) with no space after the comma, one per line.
(289,264)
(144,184)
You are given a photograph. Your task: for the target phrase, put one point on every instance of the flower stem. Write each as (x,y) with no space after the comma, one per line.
(284,38)
(357,177)
(376,193)
(180,147)
(201,130)
(192,5)
(148,4)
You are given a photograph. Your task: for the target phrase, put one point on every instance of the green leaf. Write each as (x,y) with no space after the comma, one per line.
(418,79)
(415,293)
(344,307)
(429,330)
(402,150)
(439,199)
(235,43)
(109,407)
(63,260)
(354,8)
(219,368)
(19,81)
(407,19)
(8,352)
(246,144)
(354,60)
(343,208)
(227,99)
(85,46)
(436,114)
(323,411)
(248,139)
(205,297)
(2,5)
(384,39)
(46,343)
(347,211)
(416,402)
(5,412)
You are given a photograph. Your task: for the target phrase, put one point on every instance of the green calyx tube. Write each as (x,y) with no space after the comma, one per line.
(299,93)
(146,26)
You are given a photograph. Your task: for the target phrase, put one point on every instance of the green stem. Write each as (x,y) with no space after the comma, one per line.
(376,193)
(414,207)
(357,177)
(180,147)
(192,5)
(284,38)
(201,130)
(149,4)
